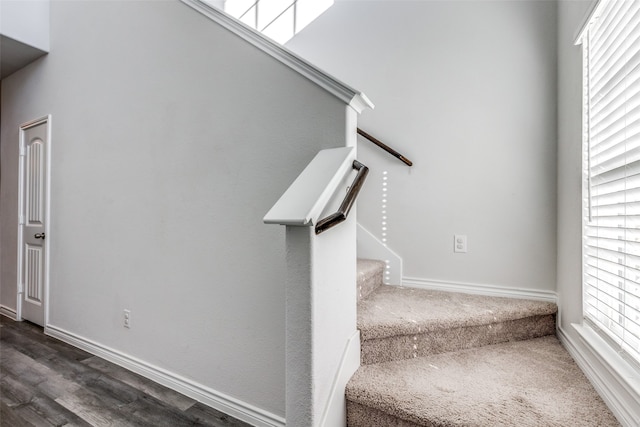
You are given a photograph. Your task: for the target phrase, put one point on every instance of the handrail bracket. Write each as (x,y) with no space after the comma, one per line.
(385,147)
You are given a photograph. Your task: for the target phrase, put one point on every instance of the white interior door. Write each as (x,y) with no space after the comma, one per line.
(33,220)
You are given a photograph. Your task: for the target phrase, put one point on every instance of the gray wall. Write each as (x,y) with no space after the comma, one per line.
(8,214)
(467,90)
(171,140)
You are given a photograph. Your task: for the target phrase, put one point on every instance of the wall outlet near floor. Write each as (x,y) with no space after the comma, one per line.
(127,319)
(460,243)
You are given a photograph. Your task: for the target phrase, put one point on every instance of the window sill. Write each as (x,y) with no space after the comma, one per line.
(621,370)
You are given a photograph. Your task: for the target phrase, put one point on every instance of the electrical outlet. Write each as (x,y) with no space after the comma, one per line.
(460,243)
(127,319)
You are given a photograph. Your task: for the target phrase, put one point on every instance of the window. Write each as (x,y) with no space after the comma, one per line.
(611,47)
(279,20)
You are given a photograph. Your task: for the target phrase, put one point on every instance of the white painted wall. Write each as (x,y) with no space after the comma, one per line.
(26,22)
(171,140)
(8,217)
(466,90)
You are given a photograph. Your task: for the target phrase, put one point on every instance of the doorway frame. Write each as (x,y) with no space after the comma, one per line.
(22,215)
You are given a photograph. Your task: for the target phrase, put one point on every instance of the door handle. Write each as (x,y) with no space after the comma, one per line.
(39,236)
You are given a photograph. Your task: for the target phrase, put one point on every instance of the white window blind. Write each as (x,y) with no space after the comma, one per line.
(611,46)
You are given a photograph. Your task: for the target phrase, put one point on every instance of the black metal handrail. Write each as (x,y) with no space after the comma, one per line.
(385,147)
(343,211)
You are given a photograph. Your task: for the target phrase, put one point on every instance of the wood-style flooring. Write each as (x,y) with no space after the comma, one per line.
(45,382)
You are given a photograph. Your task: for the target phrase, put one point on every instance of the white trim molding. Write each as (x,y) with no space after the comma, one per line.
(215,399)
(357,100)
(8,312)
(582,29)
(480,289)
(613,378)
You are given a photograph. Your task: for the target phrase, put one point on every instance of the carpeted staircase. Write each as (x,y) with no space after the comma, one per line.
(435,359)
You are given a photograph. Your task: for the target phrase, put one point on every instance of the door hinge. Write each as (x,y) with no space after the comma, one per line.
(20,288)
(21,220)
(22,150)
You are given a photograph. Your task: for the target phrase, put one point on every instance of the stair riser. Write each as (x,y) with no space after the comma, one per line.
(369,280)
(363,416)
(419,345)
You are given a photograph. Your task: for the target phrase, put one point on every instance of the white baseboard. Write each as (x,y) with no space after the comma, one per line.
(217,400)
(335,413)
(480,289)
(9,312)
(615,381)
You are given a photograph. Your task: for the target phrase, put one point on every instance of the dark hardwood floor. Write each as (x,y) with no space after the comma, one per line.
(45,382)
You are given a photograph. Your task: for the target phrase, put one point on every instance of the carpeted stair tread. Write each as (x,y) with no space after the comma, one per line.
(524,383)
(370,276)
(394,310)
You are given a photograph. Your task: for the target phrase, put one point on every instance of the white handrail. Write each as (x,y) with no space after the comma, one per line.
(303,202)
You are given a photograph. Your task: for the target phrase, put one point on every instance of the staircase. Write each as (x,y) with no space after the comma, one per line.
(434,359)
